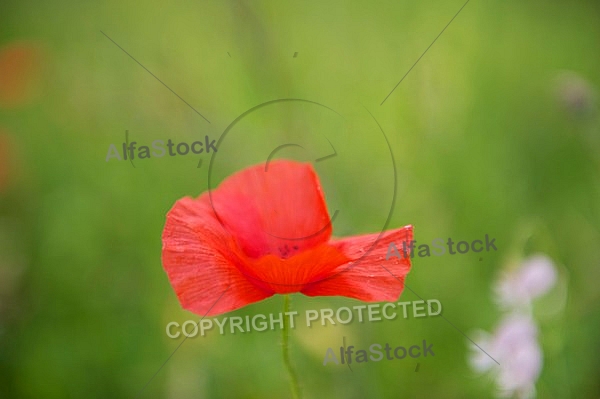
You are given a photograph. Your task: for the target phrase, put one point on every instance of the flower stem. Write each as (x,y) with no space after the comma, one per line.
(286,350)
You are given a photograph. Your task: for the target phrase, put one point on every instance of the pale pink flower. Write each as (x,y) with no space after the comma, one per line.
(536,276)
(514,345)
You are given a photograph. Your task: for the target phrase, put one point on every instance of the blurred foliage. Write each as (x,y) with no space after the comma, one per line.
(495,131)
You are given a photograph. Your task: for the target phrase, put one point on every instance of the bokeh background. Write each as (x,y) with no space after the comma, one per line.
(495,131)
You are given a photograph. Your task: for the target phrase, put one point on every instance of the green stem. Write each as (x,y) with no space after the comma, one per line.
(286,349)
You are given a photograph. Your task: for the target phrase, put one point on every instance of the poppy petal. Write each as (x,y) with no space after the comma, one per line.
(276,208)
(284,276)
(371,278)
(200,259)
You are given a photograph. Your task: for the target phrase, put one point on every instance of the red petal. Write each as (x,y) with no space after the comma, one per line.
(278,210)
(285,276)
(200,258)
(367,278)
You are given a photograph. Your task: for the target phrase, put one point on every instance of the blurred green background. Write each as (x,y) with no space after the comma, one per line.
(495,131)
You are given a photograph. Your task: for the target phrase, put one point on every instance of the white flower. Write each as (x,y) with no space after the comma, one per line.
(575,93)
(532,279)
(514,345)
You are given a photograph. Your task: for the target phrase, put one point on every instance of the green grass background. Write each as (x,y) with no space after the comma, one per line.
(481,142)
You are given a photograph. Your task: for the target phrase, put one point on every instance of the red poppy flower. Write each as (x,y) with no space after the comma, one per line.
(267,231)
(20,73)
